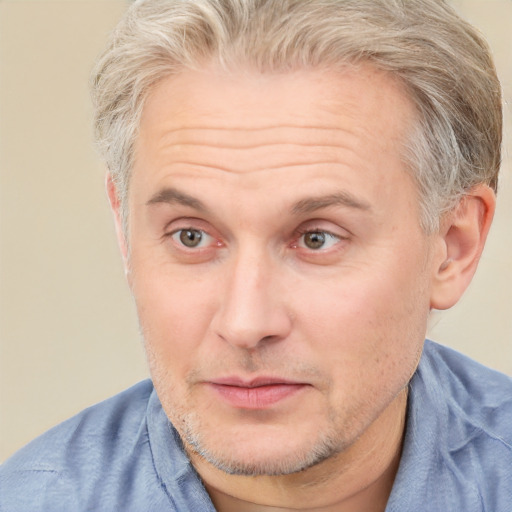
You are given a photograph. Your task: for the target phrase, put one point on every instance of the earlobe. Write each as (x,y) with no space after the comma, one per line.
(462,237)
(115,206)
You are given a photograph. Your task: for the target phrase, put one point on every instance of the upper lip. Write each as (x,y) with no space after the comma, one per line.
(253,383)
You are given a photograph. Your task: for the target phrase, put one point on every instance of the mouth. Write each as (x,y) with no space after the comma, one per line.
(259,393)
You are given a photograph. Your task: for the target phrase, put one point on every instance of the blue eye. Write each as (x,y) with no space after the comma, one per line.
(316,240)
(191,238)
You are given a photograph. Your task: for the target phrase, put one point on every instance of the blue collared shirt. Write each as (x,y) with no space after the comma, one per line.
(124,455)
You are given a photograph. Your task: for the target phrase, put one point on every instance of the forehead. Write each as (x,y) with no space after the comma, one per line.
(200,90)
(359,99)
(243,129)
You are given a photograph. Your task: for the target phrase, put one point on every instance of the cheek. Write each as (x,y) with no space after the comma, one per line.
(370,324)
(174,314)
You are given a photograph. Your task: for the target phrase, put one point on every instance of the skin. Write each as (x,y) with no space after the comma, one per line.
(312,274)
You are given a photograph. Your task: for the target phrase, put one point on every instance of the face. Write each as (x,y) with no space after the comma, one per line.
(277,261)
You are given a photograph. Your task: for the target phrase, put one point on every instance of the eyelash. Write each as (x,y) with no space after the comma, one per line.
(202,232)
(329,236)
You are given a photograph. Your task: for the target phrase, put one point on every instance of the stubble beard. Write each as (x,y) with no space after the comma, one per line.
(328,444)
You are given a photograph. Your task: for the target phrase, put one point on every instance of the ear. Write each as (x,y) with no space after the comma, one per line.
(115,206)
(462,238)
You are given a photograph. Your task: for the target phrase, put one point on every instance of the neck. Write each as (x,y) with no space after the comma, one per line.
(355,480)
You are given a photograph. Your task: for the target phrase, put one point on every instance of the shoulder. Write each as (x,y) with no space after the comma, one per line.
(478,396)
(78,450)
(114,418)
(483,394)
(457,451)
(471,420)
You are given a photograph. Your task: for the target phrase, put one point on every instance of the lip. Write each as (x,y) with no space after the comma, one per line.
(258,393)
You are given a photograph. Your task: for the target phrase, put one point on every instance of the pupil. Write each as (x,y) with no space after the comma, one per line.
(190,237)
(314,240)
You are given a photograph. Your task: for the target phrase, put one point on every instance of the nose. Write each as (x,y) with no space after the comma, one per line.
(252,307)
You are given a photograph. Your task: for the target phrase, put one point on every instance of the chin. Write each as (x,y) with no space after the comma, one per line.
(265,452)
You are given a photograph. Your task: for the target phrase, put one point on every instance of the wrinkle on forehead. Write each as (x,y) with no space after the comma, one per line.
(268,153)
(190,166)
(247,138)
(256,150)
(273,146)
(240,124)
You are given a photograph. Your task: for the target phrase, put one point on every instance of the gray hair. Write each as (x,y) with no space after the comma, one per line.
(443,62)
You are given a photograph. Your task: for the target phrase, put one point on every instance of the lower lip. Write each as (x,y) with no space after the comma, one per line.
(258,397)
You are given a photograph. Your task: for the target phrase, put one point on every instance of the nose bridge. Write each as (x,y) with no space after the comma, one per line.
(251,308)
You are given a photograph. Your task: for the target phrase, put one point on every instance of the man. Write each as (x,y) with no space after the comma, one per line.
(296,185)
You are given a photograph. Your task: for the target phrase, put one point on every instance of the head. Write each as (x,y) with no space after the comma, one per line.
(299,183)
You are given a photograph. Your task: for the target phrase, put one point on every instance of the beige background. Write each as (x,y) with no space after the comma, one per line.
(68,334)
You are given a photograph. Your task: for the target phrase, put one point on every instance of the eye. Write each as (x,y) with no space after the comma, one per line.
(192,238)
(316,240)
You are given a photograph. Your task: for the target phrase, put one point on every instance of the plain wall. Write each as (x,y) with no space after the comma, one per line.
(68,332)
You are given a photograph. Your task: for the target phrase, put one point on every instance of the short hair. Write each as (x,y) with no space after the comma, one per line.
(443,62)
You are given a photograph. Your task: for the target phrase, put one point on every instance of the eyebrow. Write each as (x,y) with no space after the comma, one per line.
(174,196)
(312,204)
(308,205)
